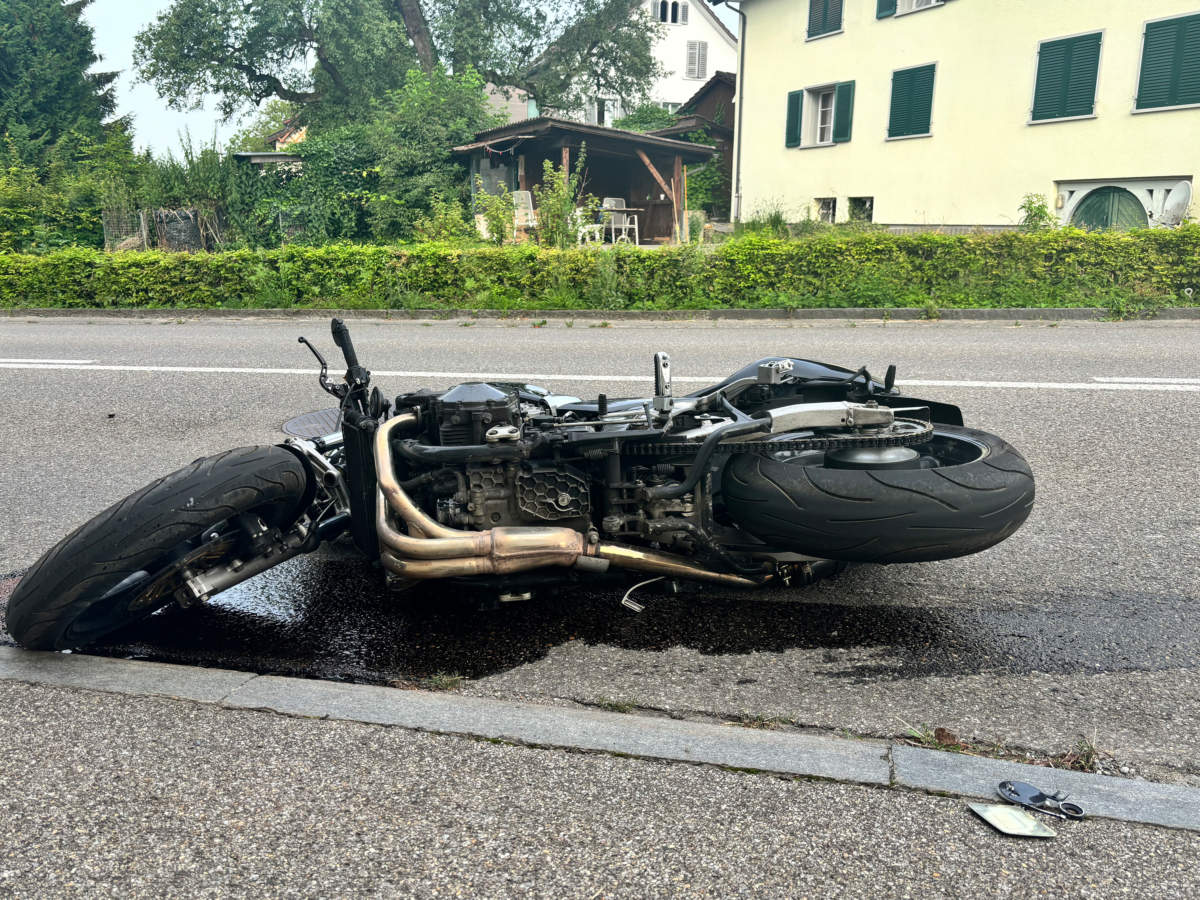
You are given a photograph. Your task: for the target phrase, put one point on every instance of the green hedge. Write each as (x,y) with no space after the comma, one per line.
(865,269)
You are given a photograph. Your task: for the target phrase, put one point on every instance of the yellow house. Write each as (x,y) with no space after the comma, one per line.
(948,112)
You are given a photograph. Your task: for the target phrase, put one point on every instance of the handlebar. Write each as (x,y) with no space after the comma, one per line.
(341,337)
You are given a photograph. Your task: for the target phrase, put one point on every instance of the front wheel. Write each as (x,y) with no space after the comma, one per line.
(964,491)
(130,560)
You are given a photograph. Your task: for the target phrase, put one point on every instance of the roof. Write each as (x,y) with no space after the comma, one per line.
(543,126)
(266,156)
(688,124)
(717,78)
(289,128)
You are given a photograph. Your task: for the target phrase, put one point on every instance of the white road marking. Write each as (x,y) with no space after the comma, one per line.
(1141,380)
(65,362)
(1190,386)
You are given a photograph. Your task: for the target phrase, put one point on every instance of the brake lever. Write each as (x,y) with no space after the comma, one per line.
(336,390)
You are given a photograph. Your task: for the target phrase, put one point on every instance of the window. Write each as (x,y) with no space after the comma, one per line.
(827,209)
(697,59)
(672,13)
(912,102)
(1170,73)
(820,116)
(1066,78)
(824,17)
(887,8)
(862,209)
(824,110)
(668,106)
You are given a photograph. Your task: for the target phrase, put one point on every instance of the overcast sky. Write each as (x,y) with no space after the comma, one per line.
(155,126)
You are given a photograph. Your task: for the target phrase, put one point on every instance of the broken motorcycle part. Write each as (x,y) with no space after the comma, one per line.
(1012,820)
(1027,795)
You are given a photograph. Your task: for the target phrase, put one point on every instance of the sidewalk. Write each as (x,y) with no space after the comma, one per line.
(110,794)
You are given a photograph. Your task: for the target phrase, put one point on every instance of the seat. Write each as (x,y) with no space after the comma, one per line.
(619,223)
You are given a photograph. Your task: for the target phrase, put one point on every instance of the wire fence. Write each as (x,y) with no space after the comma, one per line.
(186,230)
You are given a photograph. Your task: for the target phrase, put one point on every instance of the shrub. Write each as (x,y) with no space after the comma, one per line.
(1125,273)
(498,211)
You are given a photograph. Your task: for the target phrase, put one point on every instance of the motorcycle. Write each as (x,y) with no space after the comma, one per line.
(785,472)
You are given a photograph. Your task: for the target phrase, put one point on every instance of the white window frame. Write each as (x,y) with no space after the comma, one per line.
(698,73)
(676,8)
(908,7)
(818,202)
(816,98)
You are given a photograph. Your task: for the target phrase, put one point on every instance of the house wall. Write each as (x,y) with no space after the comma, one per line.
(671,52)
(982,156)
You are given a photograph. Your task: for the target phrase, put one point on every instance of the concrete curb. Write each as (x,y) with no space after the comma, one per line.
(786,753)
(798,315)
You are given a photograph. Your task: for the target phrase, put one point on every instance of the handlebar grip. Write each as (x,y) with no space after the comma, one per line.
(341,337)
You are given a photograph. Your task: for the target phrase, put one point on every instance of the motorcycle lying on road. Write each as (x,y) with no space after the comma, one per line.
(786,471)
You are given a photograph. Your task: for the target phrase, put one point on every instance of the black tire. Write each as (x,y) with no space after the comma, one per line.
(68,599)
(886,515)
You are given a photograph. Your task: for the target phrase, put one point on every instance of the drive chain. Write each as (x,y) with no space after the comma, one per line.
(919,434)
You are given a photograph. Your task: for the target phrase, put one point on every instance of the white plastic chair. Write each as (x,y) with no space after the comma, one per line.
(620,224)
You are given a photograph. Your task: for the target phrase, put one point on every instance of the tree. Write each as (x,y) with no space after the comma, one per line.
(561,54)
(332,57)
(46,92)
(335,55)
(373,179)
(646,117)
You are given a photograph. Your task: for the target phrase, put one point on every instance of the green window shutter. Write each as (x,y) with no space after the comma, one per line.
(1066,78)
(898,113)
(843,112)
(1189,62)
(824,17)
(1170,73)
(885,8)
(795,107)
(1084,72)
(912,102)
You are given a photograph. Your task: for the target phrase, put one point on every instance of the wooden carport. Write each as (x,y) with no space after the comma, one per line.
(646,170)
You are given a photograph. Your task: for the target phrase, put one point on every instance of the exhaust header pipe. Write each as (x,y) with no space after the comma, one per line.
(432,550)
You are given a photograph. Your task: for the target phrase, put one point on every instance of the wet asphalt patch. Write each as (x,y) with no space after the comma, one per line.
(329,616)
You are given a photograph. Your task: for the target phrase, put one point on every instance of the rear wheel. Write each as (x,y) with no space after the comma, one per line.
(129,560)
(966,491)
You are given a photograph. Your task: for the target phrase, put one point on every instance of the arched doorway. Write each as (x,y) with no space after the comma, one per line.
(1109,207)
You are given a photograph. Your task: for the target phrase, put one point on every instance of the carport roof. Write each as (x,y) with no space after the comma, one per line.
(544,127)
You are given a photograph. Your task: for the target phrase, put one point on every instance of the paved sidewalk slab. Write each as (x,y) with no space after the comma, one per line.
(1174,806)
(863,762)
(788,753)
(121,676)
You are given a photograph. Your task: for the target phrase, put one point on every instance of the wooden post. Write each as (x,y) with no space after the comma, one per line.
(677,196)
(566,164)
(522,184)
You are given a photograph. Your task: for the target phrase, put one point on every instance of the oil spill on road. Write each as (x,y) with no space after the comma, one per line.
(330,617)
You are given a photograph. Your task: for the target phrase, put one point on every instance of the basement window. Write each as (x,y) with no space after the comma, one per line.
(827,209)
(862,209)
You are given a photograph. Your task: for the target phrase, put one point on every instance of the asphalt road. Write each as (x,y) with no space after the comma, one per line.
(1083,625)
(109,796)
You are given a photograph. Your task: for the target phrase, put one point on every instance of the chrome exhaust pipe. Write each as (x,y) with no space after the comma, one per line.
(432,550)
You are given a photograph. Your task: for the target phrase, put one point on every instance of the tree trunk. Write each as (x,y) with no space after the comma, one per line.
(417,27)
